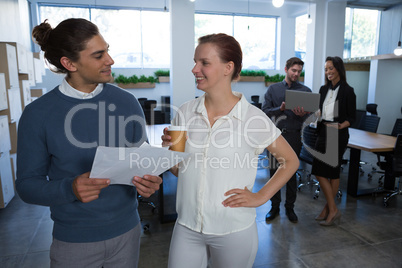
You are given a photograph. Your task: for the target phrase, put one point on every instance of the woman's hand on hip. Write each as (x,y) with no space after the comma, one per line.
(242,198)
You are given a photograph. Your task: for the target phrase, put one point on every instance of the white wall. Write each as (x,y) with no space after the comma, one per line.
(14,22)
(385,82)
(390,30)
(386,88)
(359,80)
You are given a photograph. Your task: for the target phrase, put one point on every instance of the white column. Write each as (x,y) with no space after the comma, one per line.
(182,83)
(325,37)
(335,29)
(286,49)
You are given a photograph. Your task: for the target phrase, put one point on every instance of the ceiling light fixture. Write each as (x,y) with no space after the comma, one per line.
(398,49)
(192,0)
(277,3)
(309,20)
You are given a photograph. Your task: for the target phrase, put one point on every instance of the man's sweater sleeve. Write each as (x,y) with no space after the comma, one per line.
(33,162)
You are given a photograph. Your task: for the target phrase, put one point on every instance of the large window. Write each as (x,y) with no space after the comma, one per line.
(256,35)
(137,39)
(141,38)
(360,32)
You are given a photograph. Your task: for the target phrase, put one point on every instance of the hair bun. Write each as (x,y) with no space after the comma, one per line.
(41,33)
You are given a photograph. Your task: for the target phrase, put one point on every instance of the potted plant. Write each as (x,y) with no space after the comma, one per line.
(252,76)
(272,79)
(135,81)
(163,76)
(301,78)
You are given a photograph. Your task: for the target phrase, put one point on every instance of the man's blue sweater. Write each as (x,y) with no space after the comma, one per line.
(57,140)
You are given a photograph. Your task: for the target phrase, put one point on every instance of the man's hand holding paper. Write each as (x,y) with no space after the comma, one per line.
(144,164)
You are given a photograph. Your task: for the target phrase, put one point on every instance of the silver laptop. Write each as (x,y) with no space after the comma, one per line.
(308,100)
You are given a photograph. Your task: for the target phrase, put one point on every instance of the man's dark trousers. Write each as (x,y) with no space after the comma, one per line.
(294,140)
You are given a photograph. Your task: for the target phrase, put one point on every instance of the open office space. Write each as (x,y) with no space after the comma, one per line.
(369,233)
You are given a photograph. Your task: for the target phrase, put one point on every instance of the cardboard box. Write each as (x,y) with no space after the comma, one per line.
(7,191)
(13,160)
(37,92)
(13,136)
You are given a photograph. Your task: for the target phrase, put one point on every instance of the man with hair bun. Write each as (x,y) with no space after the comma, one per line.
(95,224)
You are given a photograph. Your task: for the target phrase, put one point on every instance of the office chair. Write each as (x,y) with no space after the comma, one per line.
(255,100)
(396,168)
(368,123)
(142,102)
(308,140)
(396,130)
(141,200)
(372,108)
(153,116)
(165,100)
(359,115)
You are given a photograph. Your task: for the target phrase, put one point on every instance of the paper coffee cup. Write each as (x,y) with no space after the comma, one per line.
(178,134)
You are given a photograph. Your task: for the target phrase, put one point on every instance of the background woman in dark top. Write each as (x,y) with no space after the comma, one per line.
(338,112)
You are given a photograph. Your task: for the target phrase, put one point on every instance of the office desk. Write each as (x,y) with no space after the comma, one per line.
(370,142)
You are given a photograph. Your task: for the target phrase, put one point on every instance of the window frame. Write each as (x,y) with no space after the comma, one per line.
(91,7)
(348,38)
(233,15)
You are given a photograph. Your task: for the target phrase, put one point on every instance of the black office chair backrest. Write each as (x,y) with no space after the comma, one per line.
(255,98)
(397,158)
(359,115)
(308,140)
(372,108)
(150,104)
(369,123)
(257,104)
(142,102)
(397,127)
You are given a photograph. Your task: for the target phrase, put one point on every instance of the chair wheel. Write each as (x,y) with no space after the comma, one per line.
(146,227)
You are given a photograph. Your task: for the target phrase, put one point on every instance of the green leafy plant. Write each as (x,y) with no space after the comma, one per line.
(121,79)
(252,73)
(162,73)
(274,78)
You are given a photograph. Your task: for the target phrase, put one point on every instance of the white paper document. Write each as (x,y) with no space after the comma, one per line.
(121,164)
